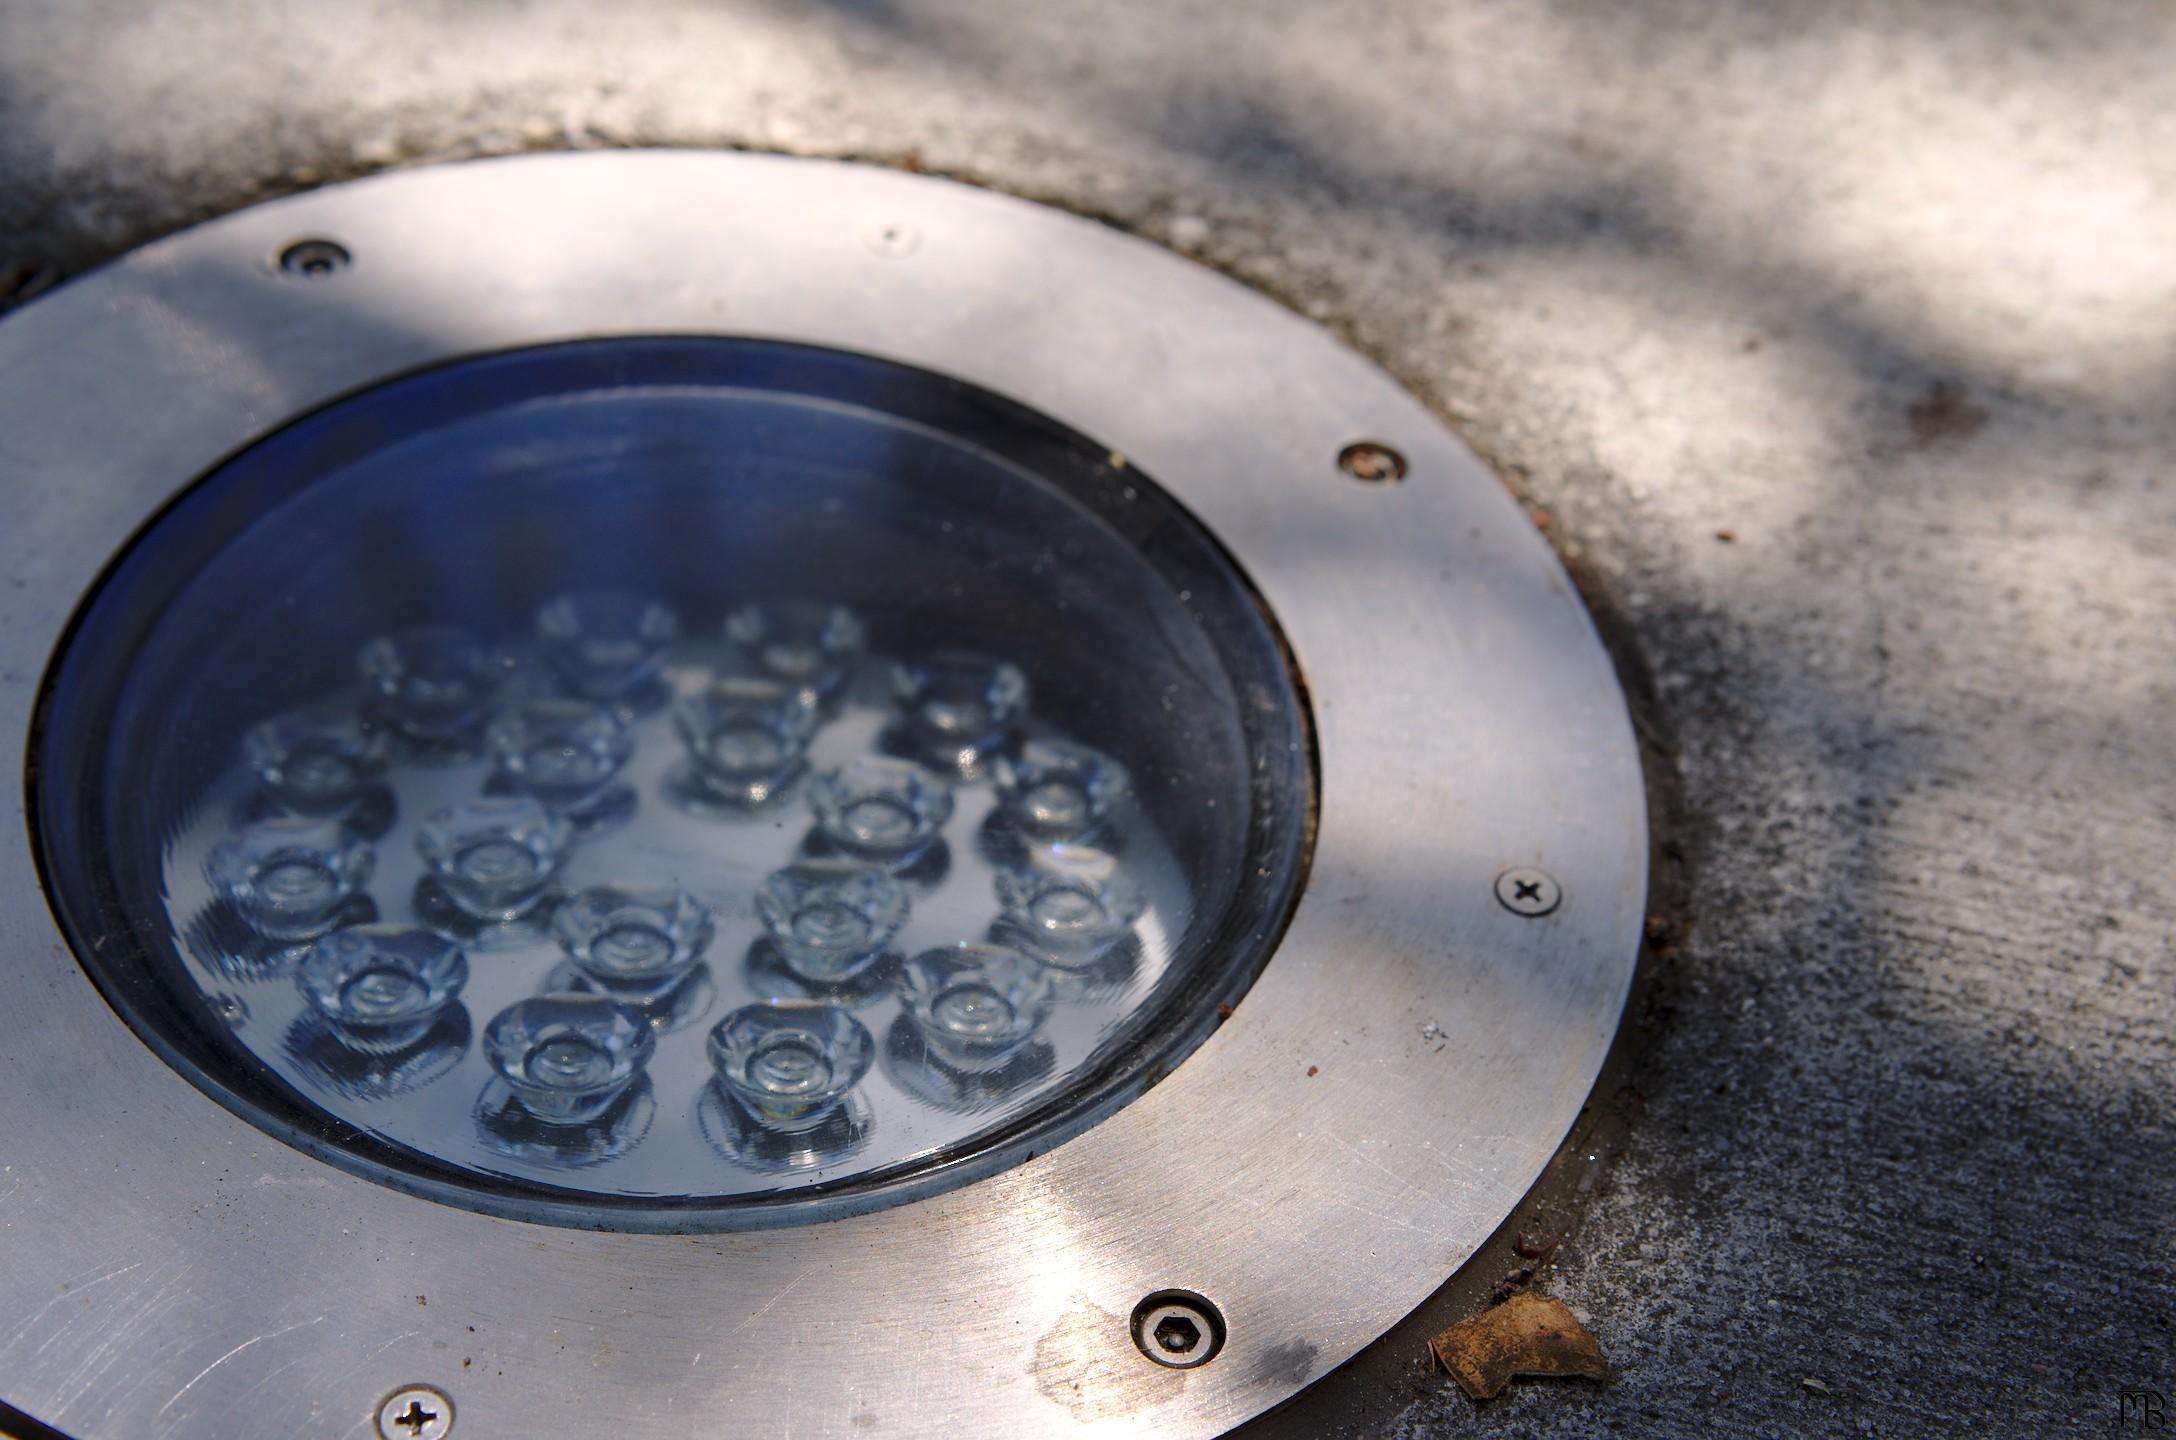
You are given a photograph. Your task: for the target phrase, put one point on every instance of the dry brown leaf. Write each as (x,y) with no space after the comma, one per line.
(1526,1335)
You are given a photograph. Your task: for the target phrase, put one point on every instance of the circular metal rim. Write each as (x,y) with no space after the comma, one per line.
(1388,1090)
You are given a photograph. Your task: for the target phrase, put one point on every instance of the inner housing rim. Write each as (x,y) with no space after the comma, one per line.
(66,790)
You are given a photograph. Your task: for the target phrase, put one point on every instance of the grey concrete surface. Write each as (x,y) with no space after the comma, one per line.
(1837,345)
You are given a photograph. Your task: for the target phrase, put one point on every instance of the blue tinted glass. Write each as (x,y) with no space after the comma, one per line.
(673,783)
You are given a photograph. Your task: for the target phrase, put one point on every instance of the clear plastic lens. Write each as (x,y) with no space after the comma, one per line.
(880,809)
(666,825)
(380,988)
(1060,790)
(790,1065)
(961,706)
(315,762)
(746,737)
(808,644)
(606,644)
(564,752)
(1069,904)
(638,939)
(831,921)
(432,683)
(976,1005)
(290,877)
(492,858)
(567,1057)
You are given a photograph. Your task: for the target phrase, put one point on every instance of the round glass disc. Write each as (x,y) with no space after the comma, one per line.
(673,783)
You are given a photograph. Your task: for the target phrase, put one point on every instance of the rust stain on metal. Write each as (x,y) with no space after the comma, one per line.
(1526,1335)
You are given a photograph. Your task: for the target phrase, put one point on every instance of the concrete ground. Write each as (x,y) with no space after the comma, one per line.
(1835,344)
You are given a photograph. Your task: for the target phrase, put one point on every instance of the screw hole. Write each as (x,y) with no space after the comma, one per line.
(314,259)
(1371,462)
(893,238)
(1178,1329)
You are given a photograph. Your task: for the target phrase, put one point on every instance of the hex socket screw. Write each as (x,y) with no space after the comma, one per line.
(416,1412)
(314,259)
(1178,1329)
(1526,891)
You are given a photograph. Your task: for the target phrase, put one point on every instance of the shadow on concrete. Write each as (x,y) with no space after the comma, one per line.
(1869,1149)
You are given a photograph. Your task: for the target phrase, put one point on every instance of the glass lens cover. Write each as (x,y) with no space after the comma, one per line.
(673,783)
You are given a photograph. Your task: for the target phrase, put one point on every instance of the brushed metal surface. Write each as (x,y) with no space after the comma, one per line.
(1315,1168)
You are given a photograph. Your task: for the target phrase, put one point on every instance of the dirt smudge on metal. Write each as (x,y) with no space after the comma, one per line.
(1088,1363)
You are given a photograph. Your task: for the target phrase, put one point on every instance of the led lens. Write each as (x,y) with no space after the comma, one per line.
(831,921)
(429,683)
(567,1057)
(1068,905)
(633,938)
(605,643)
(564,752)
(976,1005)
(1060,790)
(808,644)
(789,1066)
(494,858)
(746,737)
(315,762)
(289,877)
(381,987)
(961,706)
(881,810)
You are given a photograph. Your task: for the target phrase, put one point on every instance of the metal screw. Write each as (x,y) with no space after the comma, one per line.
(1371,461)
(1529,892)
(1178,1329)
(416,1412)
(894,239)
(314,259)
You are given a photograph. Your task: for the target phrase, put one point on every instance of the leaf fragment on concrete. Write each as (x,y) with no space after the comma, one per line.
(1525,1335)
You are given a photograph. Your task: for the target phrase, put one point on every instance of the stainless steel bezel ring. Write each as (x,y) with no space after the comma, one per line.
(1393,1083)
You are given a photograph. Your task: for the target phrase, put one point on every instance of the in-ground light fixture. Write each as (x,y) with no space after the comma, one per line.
(649,805)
